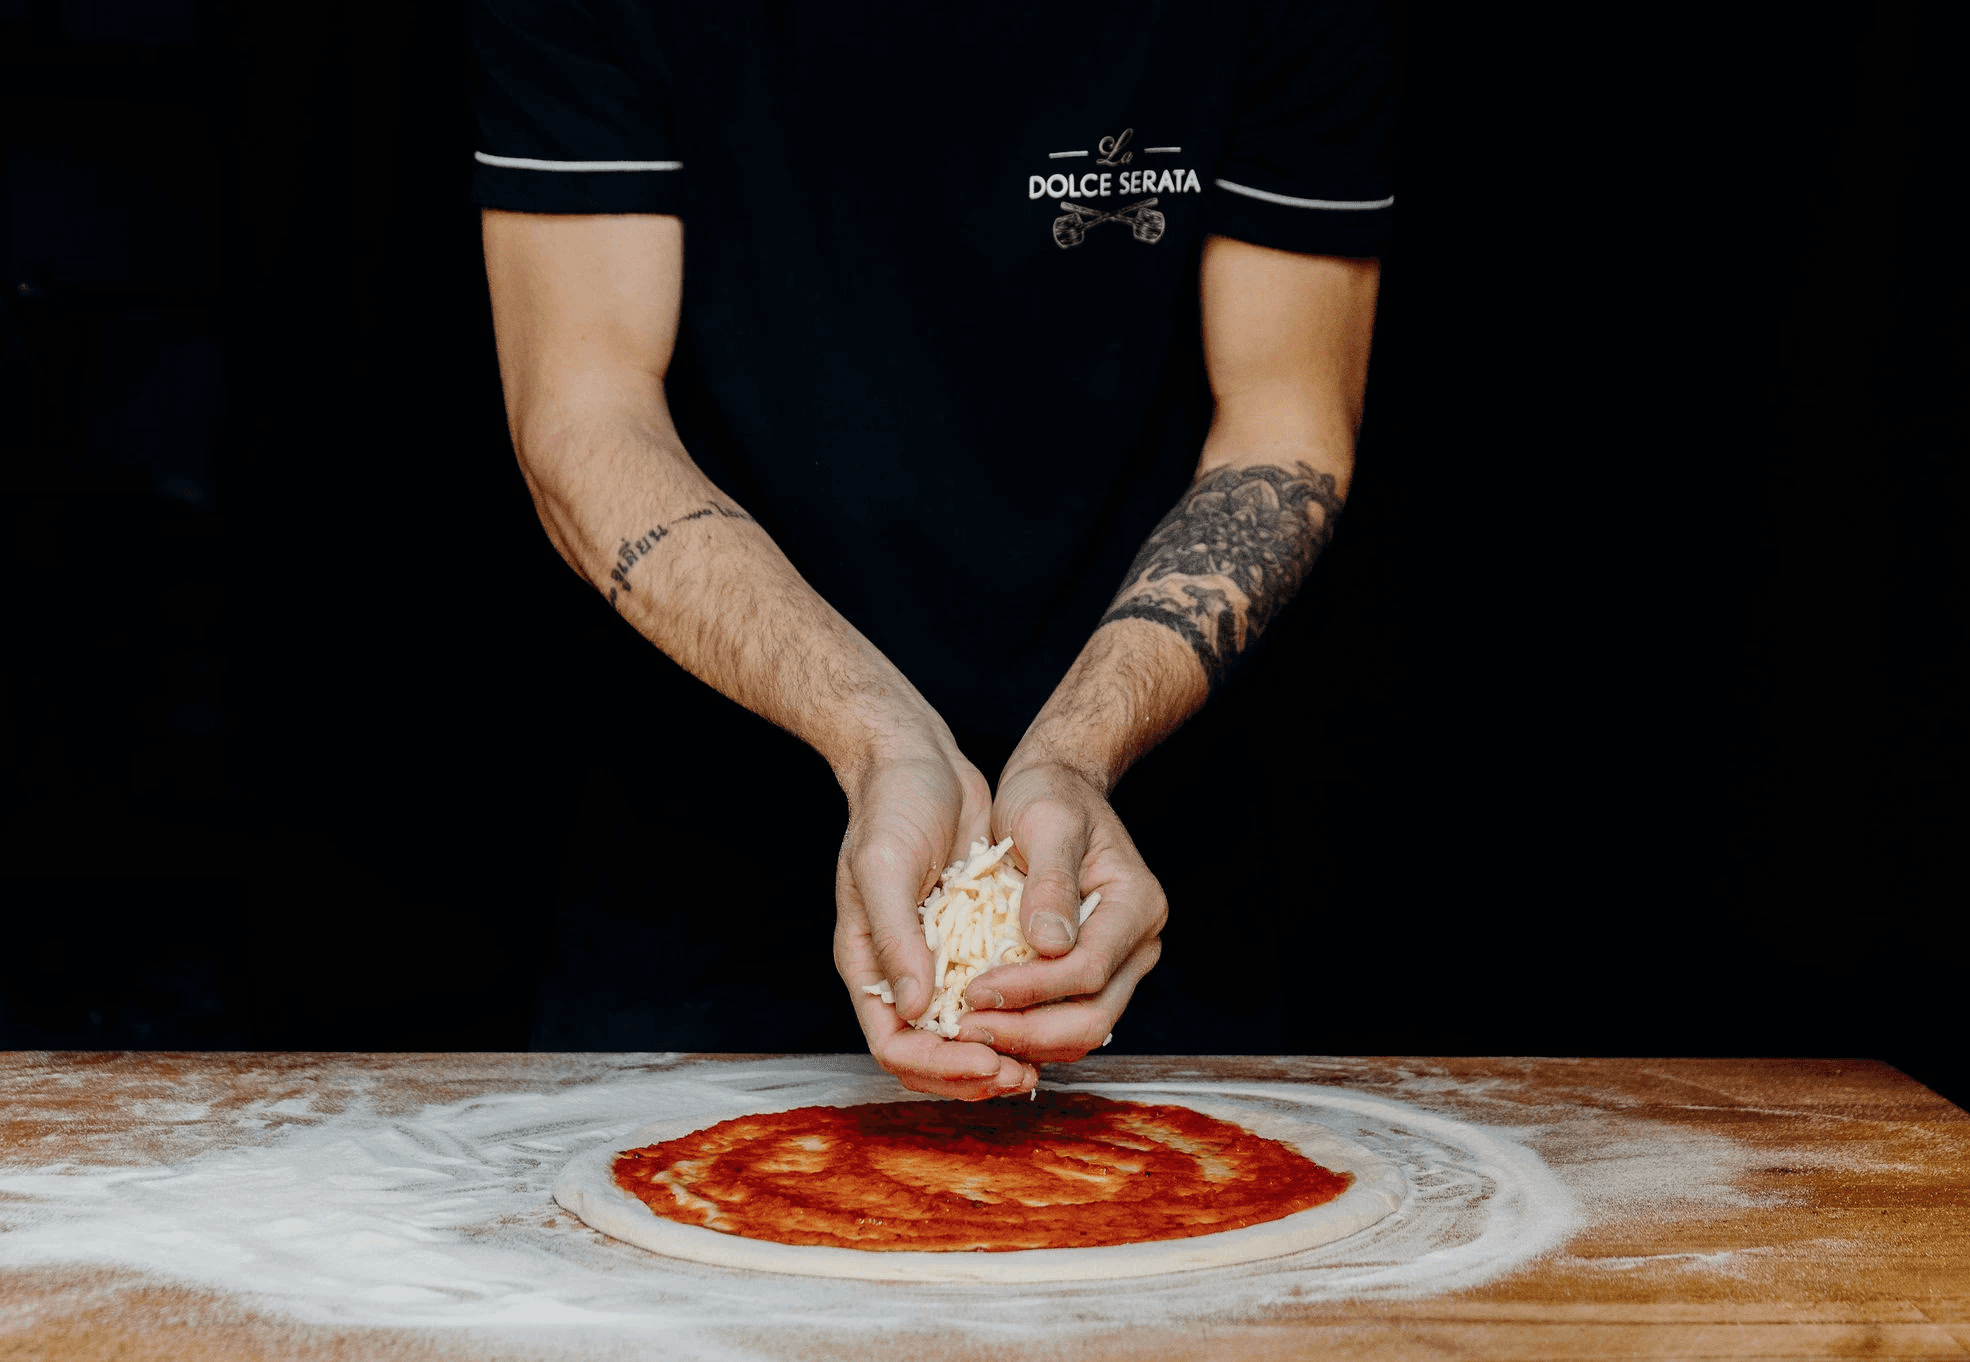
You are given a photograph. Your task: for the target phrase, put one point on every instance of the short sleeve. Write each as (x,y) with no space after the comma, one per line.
(570,120)
(1309,157)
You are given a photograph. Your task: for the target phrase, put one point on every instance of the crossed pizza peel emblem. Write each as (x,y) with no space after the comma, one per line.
(1071,228)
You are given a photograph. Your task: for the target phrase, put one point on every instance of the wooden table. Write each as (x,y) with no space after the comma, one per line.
(1846,1224)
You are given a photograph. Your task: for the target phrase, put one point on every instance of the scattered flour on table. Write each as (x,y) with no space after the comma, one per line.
(442,1217)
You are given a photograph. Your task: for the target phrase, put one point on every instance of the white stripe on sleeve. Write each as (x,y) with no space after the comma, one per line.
(1348,205)
(529,163)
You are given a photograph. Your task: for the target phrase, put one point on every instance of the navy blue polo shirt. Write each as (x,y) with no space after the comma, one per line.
(940,329)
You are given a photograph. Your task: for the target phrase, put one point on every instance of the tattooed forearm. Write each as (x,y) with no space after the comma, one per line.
(631,552)
(1231,554)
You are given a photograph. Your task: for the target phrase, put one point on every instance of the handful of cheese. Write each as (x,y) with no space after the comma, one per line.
(971,924)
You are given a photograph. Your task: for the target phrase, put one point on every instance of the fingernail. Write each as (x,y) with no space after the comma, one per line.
(1050,932)
(983,1036)
(906,990)
(985,998)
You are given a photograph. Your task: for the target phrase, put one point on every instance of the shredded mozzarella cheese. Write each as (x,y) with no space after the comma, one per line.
(971,924)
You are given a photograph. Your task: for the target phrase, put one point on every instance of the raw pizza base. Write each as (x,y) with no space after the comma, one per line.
(587,1187)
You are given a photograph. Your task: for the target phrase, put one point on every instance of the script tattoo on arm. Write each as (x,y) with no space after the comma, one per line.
(631,552)
(1229,557)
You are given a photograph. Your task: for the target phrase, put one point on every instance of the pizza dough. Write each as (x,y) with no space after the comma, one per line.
(587,1187)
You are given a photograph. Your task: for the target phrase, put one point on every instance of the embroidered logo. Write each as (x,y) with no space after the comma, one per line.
(1076,192)
(1142,218)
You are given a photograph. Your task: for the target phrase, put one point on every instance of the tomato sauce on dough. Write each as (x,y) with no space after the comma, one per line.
(1070,1170)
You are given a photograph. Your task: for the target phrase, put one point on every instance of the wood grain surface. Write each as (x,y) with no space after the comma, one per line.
(1846,1233)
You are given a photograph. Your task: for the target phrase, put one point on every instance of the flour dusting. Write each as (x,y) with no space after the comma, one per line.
(440,1217)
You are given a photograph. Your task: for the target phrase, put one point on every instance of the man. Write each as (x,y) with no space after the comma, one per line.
(930,384)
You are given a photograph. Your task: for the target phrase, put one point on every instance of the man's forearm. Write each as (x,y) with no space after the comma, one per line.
(1229,556)
(688,567)
(1211,576)
(1286,344)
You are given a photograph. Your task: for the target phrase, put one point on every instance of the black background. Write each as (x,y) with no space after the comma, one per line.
(1626,715)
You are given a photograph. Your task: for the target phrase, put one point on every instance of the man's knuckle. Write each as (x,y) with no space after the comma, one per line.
(1027,996)
(1011,1036)
(1053,889)
(1042,817)
(1089,975)
(890,942)
(879,855)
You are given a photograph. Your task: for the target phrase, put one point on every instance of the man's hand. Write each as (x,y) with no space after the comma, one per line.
(1070,844)
(909,817)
